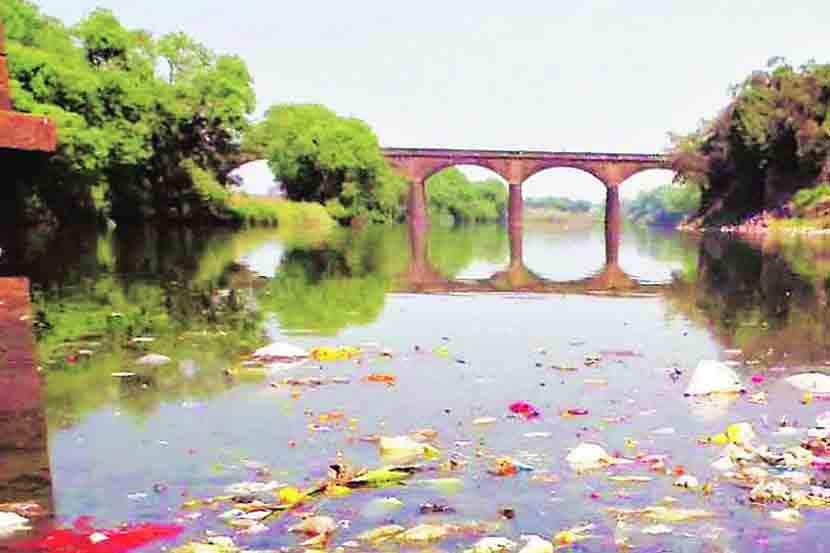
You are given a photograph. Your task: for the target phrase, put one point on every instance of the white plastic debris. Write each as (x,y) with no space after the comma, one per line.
(657,529)
(816,383)
(315,526)
(713,377)
(252,488)
(591,456)
(687,481)
(153,360)
(789,516)
(279,352)
(12,522)
(404,446)
(536,544)
(492,545)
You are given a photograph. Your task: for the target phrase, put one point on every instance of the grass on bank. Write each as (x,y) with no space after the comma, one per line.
(256,210)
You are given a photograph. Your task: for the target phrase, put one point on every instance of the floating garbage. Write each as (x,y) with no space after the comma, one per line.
(816,383)
(382,534)
(587,456)
(404,446)
(492,545)
(12,522)
(536,544)
(423,533)
(279,352)
(713,377)
(153,360)
(524,409)
(326,353)
(83,538)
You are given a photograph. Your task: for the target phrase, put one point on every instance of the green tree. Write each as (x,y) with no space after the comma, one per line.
(322,157)
(125,131)
(770,140)
(451,193)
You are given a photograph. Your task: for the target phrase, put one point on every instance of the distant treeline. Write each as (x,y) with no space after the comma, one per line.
(560,204)
(451,193)
(770,141)
(667,205)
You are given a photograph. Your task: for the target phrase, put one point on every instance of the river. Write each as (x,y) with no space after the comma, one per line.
(461,323)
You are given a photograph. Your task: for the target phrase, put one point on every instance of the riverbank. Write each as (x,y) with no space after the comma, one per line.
(767,222)
(559,220)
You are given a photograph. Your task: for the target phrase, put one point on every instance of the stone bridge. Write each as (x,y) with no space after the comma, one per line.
(418,164)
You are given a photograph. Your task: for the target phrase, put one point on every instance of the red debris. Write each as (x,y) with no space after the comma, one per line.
(524,409)
(83,538)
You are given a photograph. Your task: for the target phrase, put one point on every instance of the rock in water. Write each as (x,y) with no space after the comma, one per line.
(713,377)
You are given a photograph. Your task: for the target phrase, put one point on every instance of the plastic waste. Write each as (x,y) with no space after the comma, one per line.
(524,409)
(315,526)
(379,478)
(816,383)
(382,378)
(713,377)
(573,535)
(153,360)
(492,545)
(788,516)
(423,533)
(12,522)
(381,534)
(657,529)
(327,353)
(279,352)
(536,544)
(252,488)
(404,446)
(591,456)
(83,538)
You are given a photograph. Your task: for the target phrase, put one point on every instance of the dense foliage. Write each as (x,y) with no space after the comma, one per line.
(770,141)
(322,157)
(666,205)
(135,113)
(566,205)
(451,194)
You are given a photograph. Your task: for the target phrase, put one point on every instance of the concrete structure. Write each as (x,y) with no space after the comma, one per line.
(24,450)
(20,132)
(418,164)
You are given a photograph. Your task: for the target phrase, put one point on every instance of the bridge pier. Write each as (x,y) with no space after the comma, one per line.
(417,204)
(515,206)
(613,224)
(516,246)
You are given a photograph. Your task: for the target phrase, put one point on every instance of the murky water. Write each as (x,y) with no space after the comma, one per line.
(475,319)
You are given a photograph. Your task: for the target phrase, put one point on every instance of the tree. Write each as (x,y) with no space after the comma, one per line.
(322,157)
(125,132)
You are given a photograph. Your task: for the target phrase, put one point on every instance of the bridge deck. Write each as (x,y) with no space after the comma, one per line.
(523,154)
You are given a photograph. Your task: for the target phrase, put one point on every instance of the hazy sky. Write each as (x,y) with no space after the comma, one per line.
(560,75)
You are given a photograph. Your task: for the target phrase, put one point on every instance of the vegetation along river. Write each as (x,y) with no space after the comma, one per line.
(496,354)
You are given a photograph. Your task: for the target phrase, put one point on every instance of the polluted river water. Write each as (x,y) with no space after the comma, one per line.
(458,389)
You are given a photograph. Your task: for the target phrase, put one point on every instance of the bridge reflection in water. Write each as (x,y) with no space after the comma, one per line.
(423,278)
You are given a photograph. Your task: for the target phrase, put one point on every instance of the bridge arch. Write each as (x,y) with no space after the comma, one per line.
(547,165)
(255,177)
(649,177)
